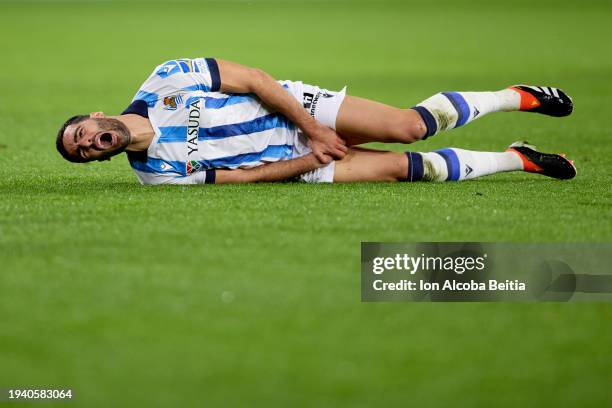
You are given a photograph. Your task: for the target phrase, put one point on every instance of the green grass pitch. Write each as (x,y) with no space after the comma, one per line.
(249,295)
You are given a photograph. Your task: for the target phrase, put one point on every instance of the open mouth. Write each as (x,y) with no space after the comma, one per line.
(105,141)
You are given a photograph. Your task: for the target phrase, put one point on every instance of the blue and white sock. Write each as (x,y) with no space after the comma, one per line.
(454,164)
(448,110)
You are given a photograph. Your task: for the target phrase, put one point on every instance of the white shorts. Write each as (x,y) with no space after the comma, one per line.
(323,105)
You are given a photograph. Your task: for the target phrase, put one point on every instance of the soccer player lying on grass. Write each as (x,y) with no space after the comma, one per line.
(205,121)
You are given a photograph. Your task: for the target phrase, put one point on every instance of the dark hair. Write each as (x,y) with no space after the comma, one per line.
(59,142)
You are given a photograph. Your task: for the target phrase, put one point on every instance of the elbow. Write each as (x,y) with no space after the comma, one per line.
(258,78)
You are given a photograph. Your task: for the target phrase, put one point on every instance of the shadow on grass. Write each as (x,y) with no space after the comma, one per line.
(78,185)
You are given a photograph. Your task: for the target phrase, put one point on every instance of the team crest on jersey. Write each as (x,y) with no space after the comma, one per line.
(192,166)
(172,102)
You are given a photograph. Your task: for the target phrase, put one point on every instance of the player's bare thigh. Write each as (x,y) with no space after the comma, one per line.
(361,120)
(362,164)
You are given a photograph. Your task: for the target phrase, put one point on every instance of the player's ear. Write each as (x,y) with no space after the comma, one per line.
(97,115)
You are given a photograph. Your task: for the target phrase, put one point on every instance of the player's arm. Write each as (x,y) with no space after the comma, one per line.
(236,78)
(277,171)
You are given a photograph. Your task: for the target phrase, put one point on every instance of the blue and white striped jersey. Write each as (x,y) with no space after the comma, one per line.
(198,129)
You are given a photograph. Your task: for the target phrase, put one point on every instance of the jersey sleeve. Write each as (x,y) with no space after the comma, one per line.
(147,176)
(201,177)
(198,74)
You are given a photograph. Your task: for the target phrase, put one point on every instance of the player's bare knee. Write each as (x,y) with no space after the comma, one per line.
(416,126)
(409,128)
(400,169)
